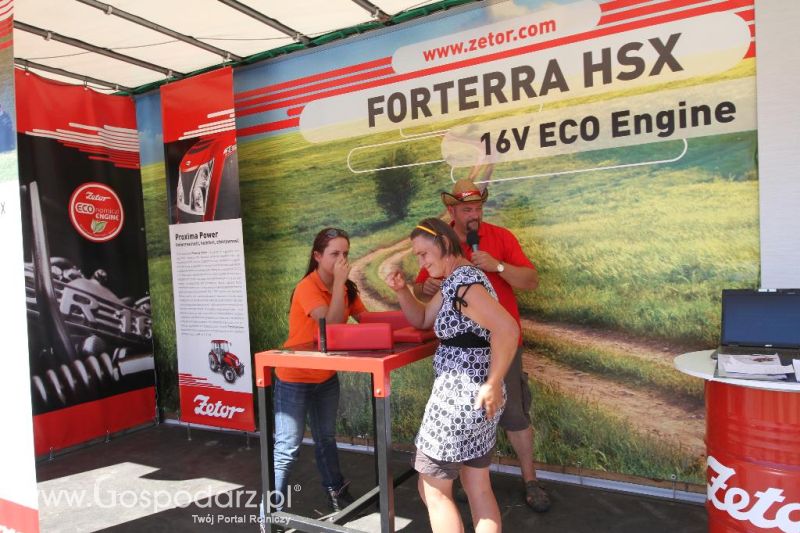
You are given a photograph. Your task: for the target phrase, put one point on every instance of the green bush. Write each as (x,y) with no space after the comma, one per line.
(396,186)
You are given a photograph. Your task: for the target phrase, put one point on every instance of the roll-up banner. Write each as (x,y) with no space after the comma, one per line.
(207,251)
(86,282)
(18,497)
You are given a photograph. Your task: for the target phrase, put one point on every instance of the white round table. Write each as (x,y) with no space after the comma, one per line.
(700,365)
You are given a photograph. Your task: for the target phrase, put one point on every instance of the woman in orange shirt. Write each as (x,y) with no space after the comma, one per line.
(324,292)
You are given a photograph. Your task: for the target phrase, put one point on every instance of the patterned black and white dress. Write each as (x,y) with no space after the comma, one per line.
(451,429)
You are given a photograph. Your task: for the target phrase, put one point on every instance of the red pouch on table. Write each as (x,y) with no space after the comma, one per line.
(396,318)
(358,336)
(412,334)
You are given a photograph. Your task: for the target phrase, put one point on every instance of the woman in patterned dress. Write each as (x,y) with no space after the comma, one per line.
(478,339)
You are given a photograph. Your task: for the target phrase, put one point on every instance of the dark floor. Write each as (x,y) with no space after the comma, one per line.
(153,465)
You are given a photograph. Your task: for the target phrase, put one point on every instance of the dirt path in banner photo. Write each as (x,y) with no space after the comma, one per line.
(372,298)
(652,413)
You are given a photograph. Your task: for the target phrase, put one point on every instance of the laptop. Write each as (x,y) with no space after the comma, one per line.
(760,322)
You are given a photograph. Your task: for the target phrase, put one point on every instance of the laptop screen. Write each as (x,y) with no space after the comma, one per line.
(755,318)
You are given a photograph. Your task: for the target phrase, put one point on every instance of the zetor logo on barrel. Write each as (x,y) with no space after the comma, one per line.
(763,506)
(96,212)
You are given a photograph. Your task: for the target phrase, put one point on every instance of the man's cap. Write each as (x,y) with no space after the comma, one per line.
(464,190)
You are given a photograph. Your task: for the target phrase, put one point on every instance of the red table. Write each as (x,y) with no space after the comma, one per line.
(379,365)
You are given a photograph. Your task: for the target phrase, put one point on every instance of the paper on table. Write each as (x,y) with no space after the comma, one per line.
(306,352)
(759,377)
(796,365)
(754,364)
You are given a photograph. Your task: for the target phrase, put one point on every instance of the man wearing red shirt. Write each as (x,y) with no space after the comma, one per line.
(498,253)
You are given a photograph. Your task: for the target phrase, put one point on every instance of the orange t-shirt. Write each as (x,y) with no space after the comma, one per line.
(310,294)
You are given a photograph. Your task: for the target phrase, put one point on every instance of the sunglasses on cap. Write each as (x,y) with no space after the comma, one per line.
(335,232)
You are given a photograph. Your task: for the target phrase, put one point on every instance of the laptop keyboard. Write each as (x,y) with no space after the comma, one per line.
(743,350)
(739,350)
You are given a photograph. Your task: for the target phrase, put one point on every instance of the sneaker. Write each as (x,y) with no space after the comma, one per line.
(341,498)
(536,498)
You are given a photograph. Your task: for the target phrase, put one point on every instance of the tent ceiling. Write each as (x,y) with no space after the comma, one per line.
(76,37)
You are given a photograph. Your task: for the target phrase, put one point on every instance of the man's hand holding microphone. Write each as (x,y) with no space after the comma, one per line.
(480,259)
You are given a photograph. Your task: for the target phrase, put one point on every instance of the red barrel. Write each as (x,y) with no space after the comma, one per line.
(753,444)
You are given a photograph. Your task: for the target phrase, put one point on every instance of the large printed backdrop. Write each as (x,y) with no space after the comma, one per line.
(618,141)
(89,325)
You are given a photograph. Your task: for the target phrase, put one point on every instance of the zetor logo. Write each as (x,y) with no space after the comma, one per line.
(217,410)
(735,500)
(96,212)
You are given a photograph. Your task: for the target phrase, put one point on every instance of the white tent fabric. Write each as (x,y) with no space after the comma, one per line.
(40,26)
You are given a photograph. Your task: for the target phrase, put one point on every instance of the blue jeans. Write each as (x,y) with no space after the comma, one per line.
(320,401)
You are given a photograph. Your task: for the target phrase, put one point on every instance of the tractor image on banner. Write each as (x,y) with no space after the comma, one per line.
(223,361)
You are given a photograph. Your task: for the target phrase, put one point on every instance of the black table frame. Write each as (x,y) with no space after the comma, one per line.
(379,365)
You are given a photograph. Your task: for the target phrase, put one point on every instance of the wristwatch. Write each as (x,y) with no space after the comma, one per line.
(500,268)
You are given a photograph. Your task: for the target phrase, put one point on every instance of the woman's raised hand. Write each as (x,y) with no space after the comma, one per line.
(396,281)
(341,269)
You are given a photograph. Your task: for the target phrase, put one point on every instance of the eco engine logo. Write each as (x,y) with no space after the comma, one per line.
(96,212)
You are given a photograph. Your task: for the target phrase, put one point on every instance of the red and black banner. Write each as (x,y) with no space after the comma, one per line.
(207,252)
(200,148)
(86,282)
(18,494)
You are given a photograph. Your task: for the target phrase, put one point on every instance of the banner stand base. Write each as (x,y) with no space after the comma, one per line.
(698,498)
(99,440)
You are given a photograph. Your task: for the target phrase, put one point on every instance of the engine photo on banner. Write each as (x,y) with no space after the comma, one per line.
(86,280)
(203,179)
(86,341)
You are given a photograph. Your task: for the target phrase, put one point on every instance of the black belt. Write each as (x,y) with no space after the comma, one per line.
(466,340)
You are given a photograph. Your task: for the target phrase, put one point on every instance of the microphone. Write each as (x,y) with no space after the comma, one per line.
(473,239)
(323,336)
